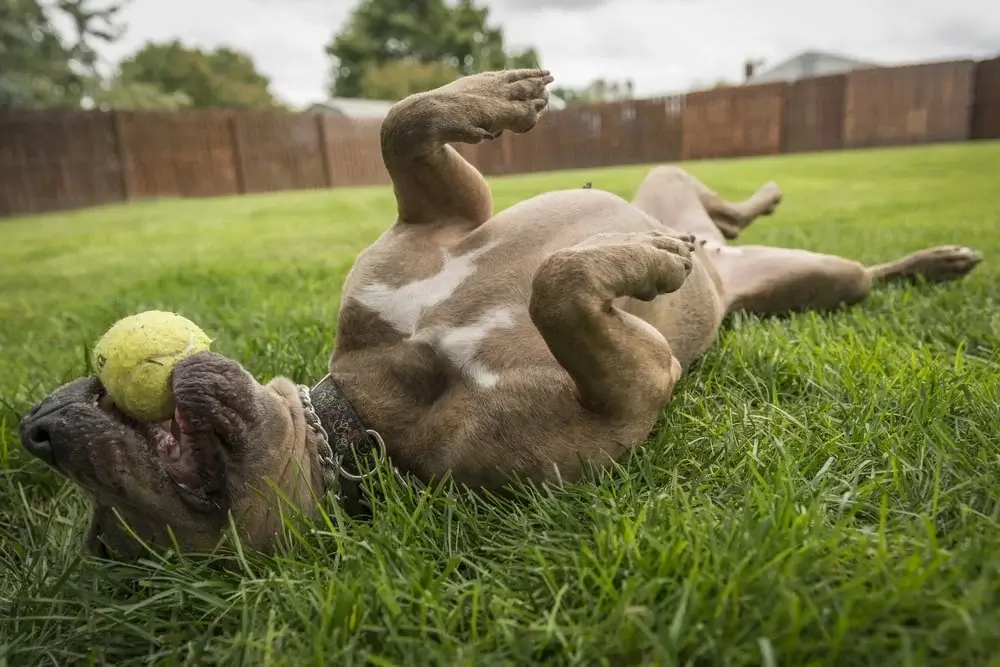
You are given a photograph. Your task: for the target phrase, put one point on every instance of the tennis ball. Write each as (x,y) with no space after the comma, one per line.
(135,358)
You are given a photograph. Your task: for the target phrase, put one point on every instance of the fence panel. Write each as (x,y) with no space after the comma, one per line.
(814,114)
(621,135)
(57,159)
(986,108)
(591,135)
(585,136)
(660,124)
(280,151)
(190,154)
(61,159)
(510,153)
(354,152)
(908,105)
(520,153)
(734,121)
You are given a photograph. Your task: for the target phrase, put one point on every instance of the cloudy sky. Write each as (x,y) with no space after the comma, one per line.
(665,46)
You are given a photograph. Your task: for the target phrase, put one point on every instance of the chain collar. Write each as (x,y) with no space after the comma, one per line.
(350,436)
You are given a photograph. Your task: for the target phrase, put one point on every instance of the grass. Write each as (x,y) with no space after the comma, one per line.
(822,490)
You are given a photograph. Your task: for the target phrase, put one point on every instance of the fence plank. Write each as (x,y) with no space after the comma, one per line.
(986,108)
(239,161)
(324,150)
(121,150)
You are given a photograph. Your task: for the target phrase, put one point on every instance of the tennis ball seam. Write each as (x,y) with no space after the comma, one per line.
(160,358)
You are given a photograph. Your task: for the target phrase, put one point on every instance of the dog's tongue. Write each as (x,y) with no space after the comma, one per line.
(175,426)
(194,458)
(171,447)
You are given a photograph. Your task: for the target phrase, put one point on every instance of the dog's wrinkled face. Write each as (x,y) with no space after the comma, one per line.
(228,439)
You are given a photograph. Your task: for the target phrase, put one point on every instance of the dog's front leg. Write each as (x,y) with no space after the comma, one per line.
(622,366)
(432,182)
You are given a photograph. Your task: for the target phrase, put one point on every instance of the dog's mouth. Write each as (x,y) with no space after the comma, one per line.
(166,438)
(190,458)
(80,432)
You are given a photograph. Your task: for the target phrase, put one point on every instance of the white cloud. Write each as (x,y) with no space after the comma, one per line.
(663,45)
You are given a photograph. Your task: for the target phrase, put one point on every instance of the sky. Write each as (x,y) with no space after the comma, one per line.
(664,46)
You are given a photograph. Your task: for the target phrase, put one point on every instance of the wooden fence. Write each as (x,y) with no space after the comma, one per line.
(57,160)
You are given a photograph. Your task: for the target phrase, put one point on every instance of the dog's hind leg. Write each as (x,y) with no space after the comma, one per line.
(622,366)
(679,200)
(775,281)
(432,182)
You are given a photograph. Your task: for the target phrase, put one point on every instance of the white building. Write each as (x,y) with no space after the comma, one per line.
(809,64)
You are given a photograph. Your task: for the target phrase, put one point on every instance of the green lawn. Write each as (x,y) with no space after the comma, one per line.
(823,490)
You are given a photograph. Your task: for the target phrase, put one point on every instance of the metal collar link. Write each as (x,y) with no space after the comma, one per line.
(333,460)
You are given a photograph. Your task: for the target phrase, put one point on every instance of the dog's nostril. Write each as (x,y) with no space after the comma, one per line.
(37,441)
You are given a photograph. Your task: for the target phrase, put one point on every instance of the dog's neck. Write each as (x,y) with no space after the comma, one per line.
(343,440)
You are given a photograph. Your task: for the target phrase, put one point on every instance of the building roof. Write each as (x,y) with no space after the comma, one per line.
(810,64)
(352,107)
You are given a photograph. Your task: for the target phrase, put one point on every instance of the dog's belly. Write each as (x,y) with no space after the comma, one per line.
(471,307)
(688,318)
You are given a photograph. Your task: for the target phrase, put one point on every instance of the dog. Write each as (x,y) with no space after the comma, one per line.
(531,345)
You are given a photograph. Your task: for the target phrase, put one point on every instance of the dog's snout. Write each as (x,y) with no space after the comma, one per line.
(46,419)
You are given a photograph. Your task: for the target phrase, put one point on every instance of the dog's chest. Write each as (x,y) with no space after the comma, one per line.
(447,312)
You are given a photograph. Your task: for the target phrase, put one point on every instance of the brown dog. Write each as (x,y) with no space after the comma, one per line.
(531,344)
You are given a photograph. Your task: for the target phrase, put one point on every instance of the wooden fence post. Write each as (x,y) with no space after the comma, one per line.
(124,158)
(786,118)
(985,122)
(324,150)
(239,167)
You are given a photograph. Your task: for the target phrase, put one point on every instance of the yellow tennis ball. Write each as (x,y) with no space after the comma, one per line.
(135,359)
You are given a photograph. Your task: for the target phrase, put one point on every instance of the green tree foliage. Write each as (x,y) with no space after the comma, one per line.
(223,78)
(453,38)
(598,90)
(116,93)
(395,79)
(39,67)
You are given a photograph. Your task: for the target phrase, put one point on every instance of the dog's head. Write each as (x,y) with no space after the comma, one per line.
(230,444)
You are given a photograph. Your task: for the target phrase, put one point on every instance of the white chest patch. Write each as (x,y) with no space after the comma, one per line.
(462,344)
(402,306)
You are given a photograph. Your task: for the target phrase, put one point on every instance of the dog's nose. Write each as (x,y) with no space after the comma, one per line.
(35,436)
(48,418)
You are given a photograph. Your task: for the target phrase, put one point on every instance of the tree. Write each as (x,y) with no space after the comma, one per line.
(598,90)
(223,78)
(446,38)
(40,67)
(116,93)
(395,79)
